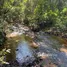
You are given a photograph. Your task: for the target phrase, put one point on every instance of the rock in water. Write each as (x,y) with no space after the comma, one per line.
(24,54)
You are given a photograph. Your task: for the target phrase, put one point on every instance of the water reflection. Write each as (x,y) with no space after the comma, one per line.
(20,49)
(23,52)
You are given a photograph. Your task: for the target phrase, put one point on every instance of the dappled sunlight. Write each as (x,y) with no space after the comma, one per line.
(33,44)
(63,50)
(14,34)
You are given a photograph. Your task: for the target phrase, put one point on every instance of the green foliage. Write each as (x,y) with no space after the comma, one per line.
(54,11)
(33,12)
(2,56)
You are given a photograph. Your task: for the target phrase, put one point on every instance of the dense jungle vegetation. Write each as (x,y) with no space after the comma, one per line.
(35,13)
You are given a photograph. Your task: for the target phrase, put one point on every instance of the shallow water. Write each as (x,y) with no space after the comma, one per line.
(20,48)
(24,52)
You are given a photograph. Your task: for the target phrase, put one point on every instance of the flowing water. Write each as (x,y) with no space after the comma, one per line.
(22,52)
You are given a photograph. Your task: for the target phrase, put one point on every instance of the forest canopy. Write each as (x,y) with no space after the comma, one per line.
(50,13)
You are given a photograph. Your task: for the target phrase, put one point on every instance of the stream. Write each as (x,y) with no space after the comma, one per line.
(21,51)
(48,49)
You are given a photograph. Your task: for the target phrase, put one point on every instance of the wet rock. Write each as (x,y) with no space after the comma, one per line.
(34,45)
